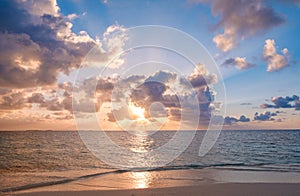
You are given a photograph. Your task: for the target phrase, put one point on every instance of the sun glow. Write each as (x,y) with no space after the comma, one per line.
(137,113)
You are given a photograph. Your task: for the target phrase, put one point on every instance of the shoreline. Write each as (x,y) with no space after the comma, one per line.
(174,182)
(217,189)
(111,130)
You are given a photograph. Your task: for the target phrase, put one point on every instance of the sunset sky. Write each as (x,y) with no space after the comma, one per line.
(255,45)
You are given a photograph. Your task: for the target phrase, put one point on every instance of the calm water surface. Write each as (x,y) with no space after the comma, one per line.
(33,157)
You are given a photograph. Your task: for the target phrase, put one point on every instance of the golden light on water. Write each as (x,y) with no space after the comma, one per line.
(141,179)
(140,143)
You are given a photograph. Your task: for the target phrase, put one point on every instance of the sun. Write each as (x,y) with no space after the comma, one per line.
(137,112)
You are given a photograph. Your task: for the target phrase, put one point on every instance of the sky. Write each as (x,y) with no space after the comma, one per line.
(67,64)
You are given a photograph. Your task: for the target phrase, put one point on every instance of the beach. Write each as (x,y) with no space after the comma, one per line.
(232,189)
(176,182)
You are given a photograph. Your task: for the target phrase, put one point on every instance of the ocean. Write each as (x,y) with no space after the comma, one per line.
(39,158)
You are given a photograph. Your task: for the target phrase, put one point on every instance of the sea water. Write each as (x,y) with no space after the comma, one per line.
(38,158)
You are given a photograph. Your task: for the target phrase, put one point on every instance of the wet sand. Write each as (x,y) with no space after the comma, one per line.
(230,189)
(176,182)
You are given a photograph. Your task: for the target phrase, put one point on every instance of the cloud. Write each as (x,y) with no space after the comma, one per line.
(36,98)
(244,119)
(226,41)
(238,62)
(4,91)
(266,116)
(37,43)
(147,93)
(162,76)
(39,8)
(201,77)
(14,100)
(72,16)
(275,61)
(59,100)
(42,99)
(283,102)
(297,104)
(228,120)
(246,104)
(241,19)
(35,51)
(169,89)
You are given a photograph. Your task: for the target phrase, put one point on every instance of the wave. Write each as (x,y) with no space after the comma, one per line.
(64,181)
(227,166)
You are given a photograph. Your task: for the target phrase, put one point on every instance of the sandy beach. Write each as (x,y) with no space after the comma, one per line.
(230,189)
(175,182)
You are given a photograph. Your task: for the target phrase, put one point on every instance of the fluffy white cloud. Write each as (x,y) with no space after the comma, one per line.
(226,41)
(72,16)
(241,19)
(275,61)
(40,7)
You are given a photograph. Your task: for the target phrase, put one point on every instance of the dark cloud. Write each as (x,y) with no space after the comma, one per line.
(36,98)
(197,80)
(200,77)
(13,101)
(171,101)
(10,21)
(246,104)
(148,93)
(244,119)
(104,85)
(4,91)
(228,120)
(175,114)
(283,102)
(238,62)
(266,116)
(162,76)
(53,105)
(297,105)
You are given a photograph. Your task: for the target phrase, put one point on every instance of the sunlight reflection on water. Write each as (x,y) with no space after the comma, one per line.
(141,143)
(141,179)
